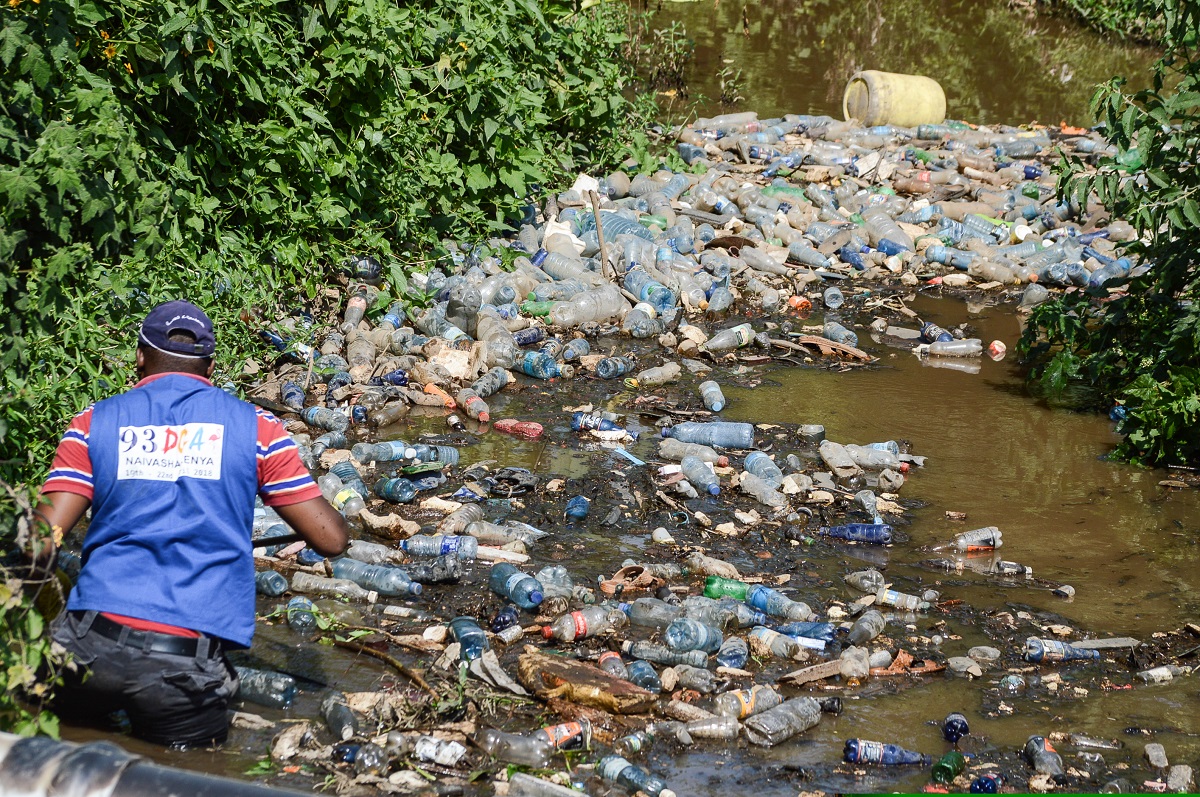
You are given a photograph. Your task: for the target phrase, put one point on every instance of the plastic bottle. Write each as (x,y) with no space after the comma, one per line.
(540,366)
(868,626)
(696,679)
(508,582)
(475,407)
(902,601)
(833,297)
(743,703)
(429,749)
(711,395)
(271,583)
(866,580)
(396,490)
(991,783)
(777,604)
(634,743)
(955,727)
(465,547)
(863,751)
(932,333)
(968,347)
(266,688)
(614,367)
(949,767)
(734,653)
(445,569)
(764,468)
(839,334)
(734,337)
(389,451)
(617,770)
(575,349)
(652,613)
(471,638)
(815,631)
(528,751)
(660,654)
(717,587)
(577,508)
(782,722)
(457,521)
(300,616)
(292,396)
(338,717)
(985,539)
(641,673)
(1050,650)
(881,228)
(331,587)
(701,475)
(647,289)
(390,581)
(585,623)
(1042,756)
(611,662)
(685,634)
(720,434)
(780,645)
(325,418)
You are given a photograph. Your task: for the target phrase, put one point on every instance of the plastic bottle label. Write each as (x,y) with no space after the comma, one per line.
(869,752)
(510,583)
(746,698)
(569,734)
(581,626)
(344,495)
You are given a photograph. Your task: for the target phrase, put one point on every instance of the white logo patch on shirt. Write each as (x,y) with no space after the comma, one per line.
(166,453)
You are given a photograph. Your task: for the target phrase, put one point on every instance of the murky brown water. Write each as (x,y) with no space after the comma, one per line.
(996,64)
(1128,547)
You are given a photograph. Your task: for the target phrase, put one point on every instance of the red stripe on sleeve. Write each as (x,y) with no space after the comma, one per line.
(71,470)
(282,478)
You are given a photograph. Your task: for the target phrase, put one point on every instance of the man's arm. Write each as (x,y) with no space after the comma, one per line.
(321,526)
(60,511)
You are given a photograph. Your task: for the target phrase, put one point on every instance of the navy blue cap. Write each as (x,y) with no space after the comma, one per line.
(178,316)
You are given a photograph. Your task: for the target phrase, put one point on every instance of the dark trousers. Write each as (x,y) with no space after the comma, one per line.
(171,699)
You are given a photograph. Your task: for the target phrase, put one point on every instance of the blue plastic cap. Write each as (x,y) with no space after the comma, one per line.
(535,597)
(666,432)
(415,589)
(714,489)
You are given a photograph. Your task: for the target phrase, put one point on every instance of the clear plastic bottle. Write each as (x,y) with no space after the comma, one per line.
(508,582)
(338,717)
(271,583)
(743,703)
(540,366)
(868,626)
(734,337)
(641,673)
(761,491)
(782,722)
(331,587)
(968,347)
(762,466)
(300,615)
(472,639)
(634,743)
(670,448)
(325,418)
(490,383)
(776,604)
(882,228)
(701,475)
(395,490)
(660,375)
(866,580)
(902,601)
(457,521)
(685,634)
(429,749)
(734,653)
(446,569)
(720,434)
(711,395)
(386,580)
(611,662)
(617,770)
(389,451)
(1049,650)
(660,654)
(839,334)
(647,289)
(652,613)
(528,751)
(722,728)
(465,547)
(780,645)
(697,679)
(614,367)
(985,539)
(266,688)
(585,623)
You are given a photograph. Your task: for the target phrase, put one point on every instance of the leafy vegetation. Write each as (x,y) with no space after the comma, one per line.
(237,153)
(1141,346)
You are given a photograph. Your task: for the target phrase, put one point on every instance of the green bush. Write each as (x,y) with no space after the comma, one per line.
(236,153)
(1141,346)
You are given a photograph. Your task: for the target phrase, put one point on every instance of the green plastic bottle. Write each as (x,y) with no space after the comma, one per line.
(536,308)
(949,767)
(716,587)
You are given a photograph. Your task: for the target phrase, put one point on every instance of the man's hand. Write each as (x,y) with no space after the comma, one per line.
(60,511)
(321,526)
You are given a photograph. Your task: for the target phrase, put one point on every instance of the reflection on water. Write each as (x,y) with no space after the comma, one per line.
(996,64)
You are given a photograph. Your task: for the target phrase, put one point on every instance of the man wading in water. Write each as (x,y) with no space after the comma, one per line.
(170,469)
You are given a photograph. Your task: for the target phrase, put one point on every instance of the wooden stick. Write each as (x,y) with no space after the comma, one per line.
(392,661)
(600,234)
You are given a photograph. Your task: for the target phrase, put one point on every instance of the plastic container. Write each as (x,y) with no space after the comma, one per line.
(465,547)
(528,751)
(889,98)
(869,625)
(743,703)
(471,638)
(641,673)
(701,475)
(271,583)
(508,582)
(719,434)
(266,688)
(778,724)
(685,634)
(300,615)
(615,769)
(711,395)
(390,581)
(585,623)
(864,751)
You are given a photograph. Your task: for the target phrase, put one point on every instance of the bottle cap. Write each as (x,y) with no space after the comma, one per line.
(547,632)
(714,489)
(372,596)
(535,597)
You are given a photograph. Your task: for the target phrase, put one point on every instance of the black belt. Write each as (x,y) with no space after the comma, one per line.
(153,641)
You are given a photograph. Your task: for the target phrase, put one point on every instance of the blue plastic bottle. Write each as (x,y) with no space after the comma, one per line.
(472,640)
(509,582)
(577,508)
(684,634)
(864,751)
